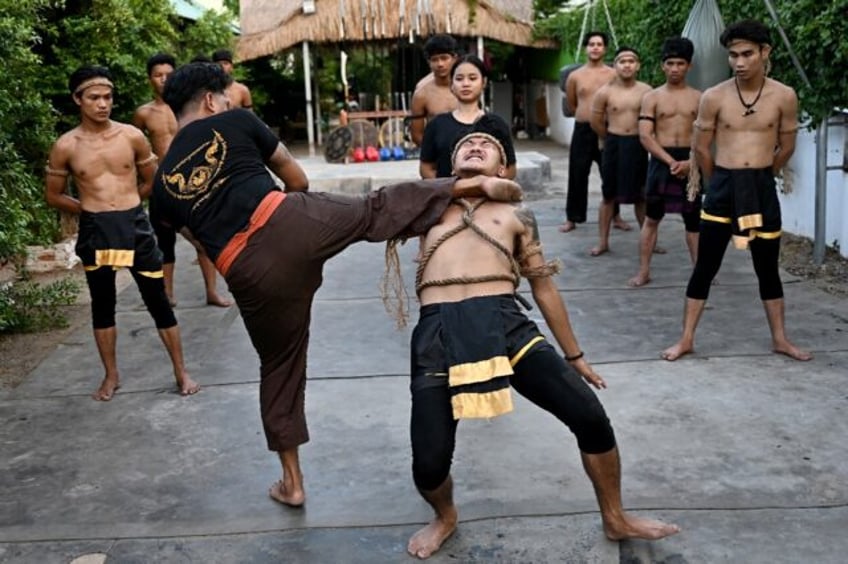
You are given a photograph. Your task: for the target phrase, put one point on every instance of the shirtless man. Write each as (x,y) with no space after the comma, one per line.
(158,121)
(462,368)
(434,97)
(580,87)
(105,159)
(665,130)
(753,121)
(239,93)
(615,119)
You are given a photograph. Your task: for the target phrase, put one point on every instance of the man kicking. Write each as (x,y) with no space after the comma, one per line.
(665,130)
(472,343)
(216,186)
(753,121)
(106,159)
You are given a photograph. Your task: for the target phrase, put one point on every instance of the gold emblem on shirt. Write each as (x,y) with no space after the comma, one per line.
(194,175)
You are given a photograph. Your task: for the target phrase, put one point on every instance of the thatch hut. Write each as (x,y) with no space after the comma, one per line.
(270,26)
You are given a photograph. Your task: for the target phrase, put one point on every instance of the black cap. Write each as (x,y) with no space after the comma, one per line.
(222,55)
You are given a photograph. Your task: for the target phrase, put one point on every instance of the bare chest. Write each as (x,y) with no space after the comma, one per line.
(95,157)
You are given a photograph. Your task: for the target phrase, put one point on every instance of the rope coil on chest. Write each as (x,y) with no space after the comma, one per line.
(467,223)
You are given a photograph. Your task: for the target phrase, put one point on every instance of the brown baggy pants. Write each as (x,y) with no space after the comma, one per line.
(275,277)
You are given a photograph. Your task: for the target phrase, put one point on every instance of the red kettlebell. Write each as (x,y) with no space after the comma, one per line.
(358,155)
(372,154)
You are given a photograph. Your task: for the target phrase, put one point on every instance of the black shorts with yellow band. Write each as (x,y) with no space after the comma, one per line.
(119,239)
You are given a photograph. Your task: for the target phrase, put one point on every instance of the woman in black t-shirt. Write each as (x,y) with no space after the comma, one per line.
(468,81)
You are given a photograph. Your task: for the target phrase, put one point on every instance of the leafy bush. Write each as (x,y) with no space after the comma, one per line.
(27,306)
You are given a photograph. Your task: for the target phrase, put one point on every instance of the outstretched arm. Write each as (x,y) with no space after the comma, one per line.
(547,297)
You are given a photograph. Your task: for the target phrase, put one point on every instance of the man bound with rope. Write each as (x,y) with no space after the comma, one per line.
(472,343)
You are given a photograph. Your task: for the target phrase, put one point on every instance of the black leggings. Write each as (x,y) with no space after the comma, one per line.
(543,377)
(101,286)
(765,253)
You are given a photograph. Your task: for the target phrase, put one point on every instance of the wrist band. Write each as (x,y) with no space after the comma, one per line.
(578,356)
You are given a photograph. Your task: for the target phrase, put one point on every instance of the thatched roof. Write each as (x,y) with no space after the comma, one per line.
(270,26)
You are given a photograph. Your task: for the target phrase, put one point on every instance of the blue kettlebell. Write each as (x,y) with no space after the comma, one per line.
(385,154)
(398,153)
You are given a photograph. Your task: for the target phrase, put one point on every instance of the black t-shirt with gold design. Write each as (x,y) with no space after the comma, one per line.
(213,177)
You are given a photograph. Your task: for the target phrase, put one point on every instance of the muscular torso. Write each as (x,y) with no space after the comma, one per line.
(157,119)
(466,254)
(674,112)
(622,107)
(747,141)
(437,99)
(587,81)
(103,166)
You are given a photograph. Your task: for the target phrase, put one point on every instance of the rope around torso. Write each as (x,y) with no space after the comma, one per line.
(467,223)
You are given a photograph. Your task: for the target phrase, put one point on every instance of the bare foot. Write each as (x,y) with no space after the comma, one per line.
(279,493)
(107,389)
(639,280)
(632,527)
(681,348)
(430,539)
(188,387)
(216,300)
(619,223)
(567,226)
(659,250)
(598,251)
(791,351)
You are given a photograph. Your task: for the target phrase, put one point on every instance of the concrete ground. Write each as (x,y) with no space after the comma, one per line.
(746,450)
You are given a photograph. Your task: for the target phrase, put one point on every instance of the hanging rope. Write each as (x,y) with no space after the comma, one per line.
(609,23)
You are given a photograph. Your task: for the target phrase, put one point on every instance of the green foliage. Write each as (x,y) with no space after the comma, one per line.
(27,306)
(815,29)
(26,126)
(44,41)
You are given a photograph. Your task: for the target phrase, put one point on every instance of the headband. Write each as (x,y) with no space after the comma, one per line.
(485,136)
(626,52)
(96,81)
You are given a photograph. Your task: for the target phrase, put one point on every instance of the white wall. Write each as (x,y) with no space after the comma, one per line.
(799,206)
(561,126)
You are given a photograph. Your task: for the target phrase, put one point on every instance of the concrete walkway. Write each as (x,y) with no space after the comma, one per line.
(746,450)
